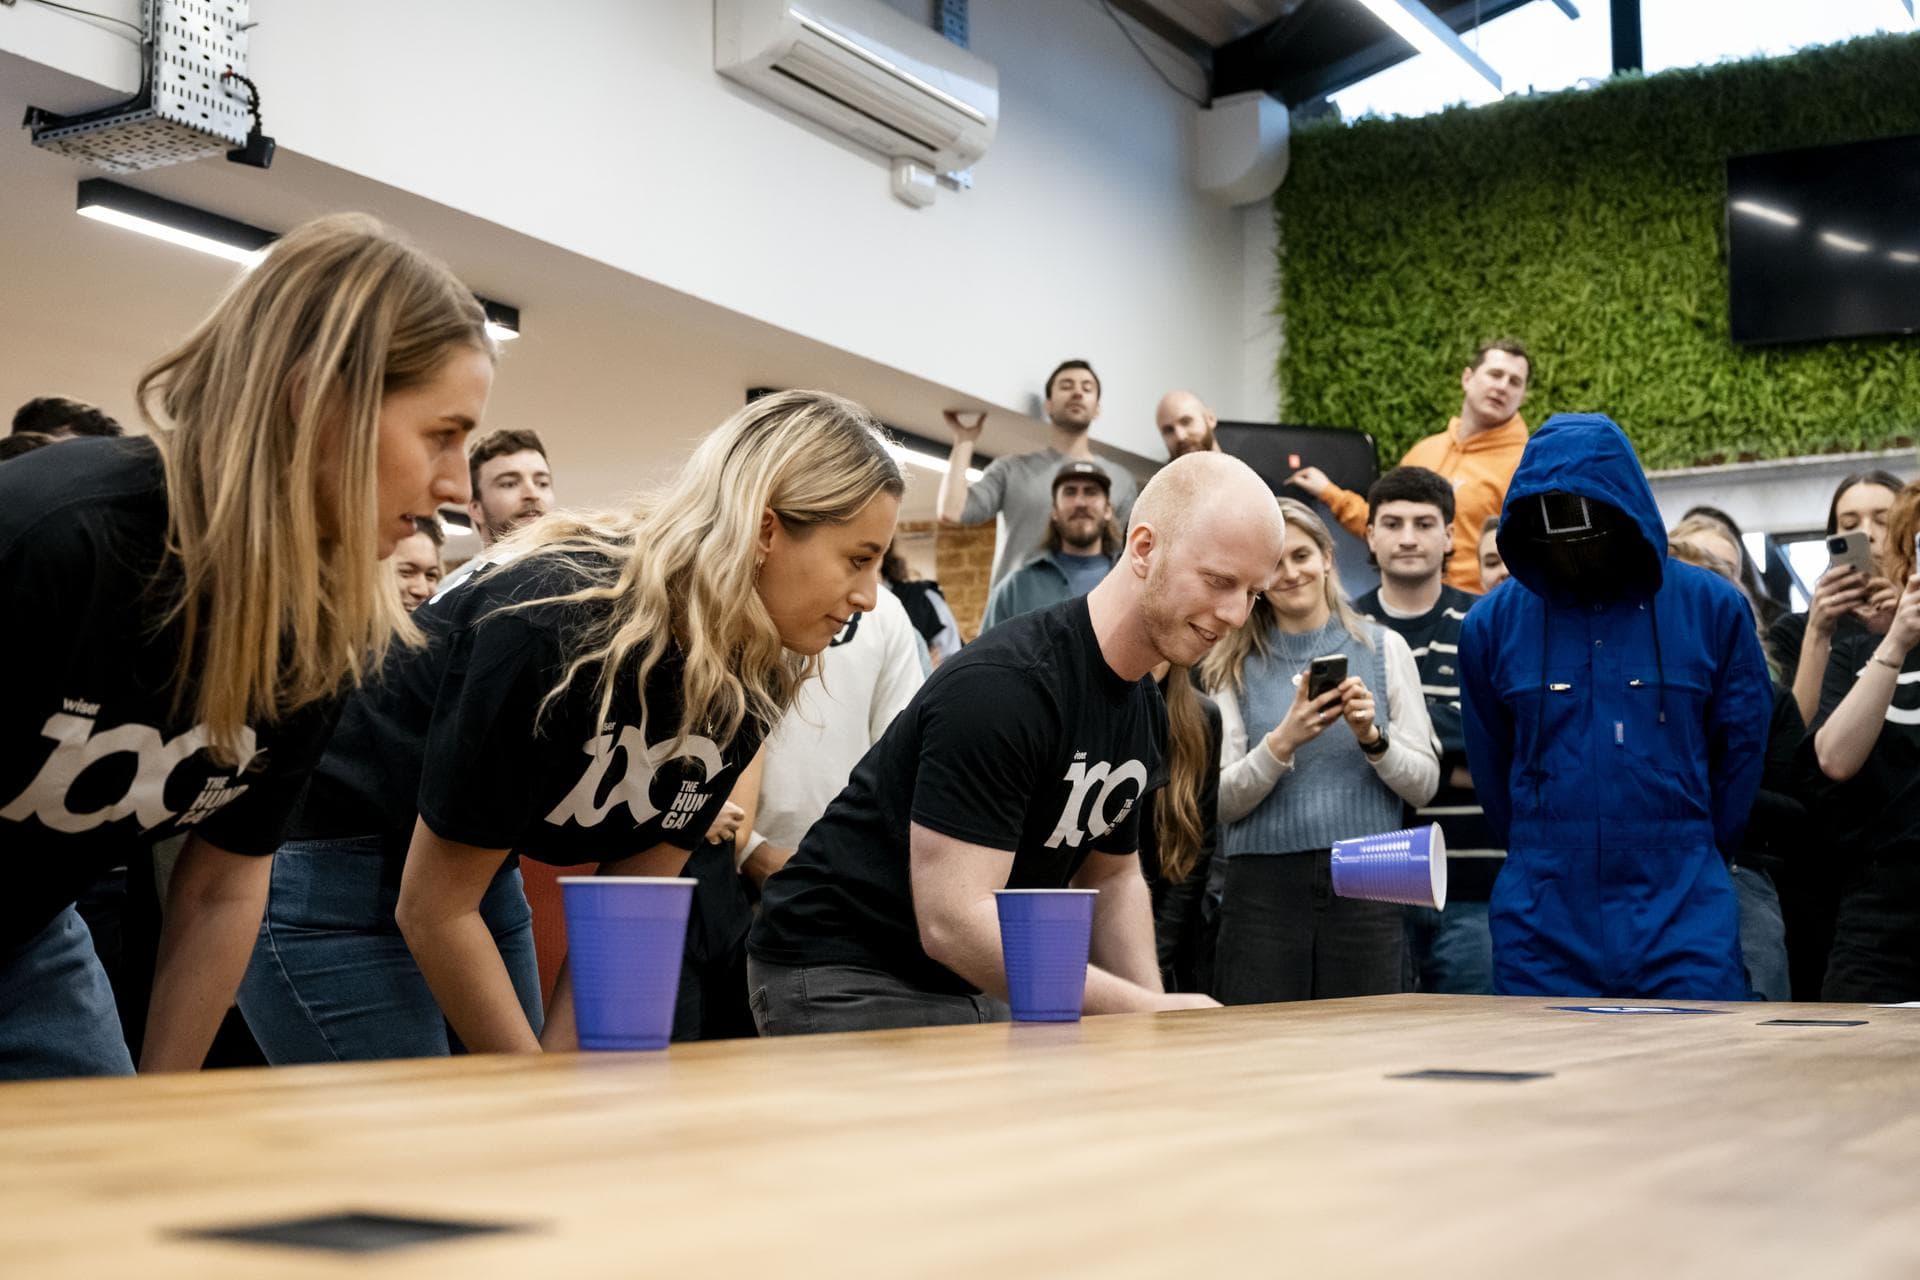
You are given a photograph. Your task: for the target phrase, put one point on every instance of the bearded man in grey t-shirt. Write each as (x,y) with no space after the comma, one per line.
(1019,488)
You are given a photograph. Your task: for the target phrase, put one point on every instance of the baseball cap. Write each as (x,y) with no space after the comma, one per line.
(1079,469)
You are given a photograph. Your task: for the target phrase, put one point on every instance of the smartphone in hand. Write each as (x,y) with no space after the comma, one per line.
(1325,674)
(1850,550)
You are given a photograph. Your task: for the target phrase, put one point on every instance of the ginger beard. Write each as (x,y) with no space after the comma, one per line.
(1180,629)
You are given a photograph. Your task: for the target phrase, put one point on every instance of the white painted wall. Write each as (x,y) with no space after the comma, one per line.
(98,51)
(1778,496)
(600,126)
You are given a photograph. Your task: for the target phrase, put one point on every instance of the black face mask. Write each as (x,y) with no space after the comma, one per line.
(1589,549)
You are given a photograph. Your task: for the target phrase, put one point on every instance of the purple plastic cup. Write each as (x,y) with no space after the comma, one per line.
(1044,934)
(1408,867)
(625,936)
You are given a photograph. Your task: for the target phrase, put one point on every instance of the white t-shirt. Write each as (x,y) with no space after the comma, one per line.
(872,670)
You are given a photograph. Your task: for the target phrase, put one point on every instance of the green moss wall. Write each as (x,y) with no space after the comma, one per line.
(1591,224)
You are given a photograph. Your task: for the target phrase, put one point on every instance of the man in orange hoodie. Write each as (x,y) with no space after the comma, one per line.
(1478,452)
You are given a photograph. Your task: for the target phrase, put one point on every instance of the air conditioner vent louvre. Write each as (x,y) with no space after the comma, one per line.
(862,68)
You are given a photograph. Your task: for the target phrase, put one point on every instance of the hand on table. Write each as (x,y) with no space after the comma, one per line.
(1184,1000)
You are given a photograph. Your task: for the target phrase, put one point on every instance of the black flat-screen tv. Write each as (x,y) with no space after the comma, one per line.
(1350,459)
(1824,242)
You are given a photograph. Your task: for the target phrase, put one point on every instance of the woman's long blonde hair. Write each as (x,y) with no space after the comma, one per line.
(682,566)
(1225,666)
(1179,828)
(290,368)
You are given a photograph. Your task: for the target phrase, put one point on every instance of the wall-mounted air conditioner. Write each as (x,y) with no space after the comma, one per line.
(865,70)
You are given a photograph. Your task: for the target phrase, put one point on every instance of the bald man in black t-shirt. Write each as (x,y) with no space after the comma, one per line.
(1020,764)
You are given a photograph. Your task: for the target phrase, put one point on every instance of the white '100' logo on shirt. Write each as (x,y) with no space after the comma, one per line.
(145,799)
(1085,778)
(635,789)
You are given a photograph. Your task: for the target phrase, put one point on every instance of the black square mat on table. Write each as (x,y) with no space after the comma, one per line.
(350,1232)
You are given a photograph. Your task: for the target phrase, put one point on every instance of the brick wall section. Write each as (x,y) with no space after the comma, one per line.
(964,555)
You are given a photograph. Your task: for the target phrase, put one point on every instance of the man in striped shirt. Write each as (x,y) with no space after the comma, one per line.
(1410,531)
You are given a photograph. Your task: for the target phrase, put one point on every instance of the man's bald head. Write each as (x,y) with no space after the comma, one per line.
(1197,489)
(1206,540)
(1186,425)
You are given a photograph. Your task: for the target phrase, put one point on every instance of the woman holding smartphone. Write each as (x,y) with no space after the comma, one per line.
(1847,597)
(212,587)
(1302,784)
(589,694)
(1867,741)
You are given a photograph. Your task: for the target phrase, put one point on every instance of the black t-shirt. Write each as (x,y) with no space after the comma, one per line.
(914,597)
(1434,638)
(1875,813)
(1787,632)
(456,734)
(1026,742)
(1779,829)
(97,755)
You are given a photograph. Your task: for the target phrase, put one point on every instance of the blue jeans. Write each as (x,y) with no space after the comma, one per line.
(57,1016)
(1452,949)
(332,980)
(1763,934)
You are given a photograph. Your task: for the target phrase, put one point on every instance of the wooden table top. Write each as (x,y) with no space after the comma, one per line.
(1263,1140)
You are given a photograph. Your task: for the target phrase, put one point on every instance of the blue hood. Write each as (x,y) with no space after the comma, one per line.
(1585,454)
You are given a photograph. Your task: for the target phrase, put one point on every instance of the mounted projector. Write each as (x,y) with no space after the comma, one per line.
(191,101)
(867,72)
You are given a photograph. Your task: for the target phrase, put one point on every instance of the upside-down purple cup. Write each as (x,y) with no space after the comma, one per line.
(1408,867)
(625,936)
(1044,934)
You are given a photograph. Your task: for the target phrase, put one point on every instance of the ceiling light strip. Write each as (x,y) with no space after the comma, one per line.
(1420,27)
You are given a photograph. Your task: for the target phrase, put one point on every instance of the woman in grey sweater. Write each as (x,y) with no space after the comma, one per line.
(1302,783)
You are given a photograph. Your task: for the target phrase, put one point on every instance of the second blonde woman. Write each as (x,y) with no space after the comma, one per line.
(590,694)
(1299,773)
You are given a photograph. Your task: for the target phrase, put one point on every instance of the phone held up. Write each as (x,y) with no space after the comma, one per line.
(1849,550)
(1325,674)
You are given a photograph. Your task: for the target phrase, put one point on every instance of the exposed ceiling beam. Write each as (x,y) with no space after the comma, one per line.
(1257,60)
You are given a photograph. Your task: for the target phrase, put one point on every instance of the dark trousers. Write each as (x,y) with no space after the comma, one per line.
(712,1004)
(1285,936)
(793,1000)
(1876,937)
(122,912)
(1809,900)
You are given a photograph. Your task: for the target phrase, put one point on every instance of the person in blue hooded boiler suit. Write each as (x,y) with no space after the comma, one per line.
(1616,705)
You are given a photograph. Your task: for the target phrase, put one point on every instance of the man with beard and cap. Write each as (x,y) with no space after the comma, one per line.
(1616,705)
(1021,763)
(1186,425)
(1018,487)
(1079,548)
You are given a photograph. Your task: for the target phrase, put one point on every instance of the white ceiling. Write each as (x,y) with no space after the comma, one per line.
(618,374)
